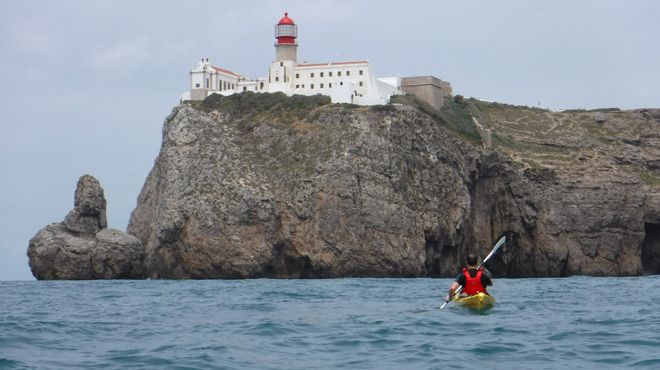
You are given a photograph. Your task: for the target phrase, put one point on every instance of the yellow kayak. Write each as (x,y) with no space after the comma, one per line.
(478,301)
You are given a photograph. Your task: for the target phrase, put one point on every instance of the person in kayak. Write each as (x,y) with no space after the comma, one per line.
(473,280)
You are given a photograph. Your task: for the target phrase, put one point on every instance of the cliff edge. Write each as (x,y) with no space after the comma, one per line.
(264,185)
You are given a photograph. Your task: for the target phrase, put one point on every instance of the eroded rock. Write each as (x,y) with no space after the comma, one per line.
(82,247)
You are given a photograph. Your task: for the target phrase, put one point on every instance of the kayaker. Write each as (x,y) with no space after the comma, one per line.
(473,280)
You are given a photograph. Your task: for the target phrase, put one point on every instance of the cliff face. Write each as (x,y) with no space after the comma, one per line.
(264,185)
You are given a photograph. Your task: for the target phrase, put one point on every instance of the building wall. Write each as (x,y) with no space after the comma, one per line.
(427,88)
(341,81)
(344,82)
(222,82)
(198,94)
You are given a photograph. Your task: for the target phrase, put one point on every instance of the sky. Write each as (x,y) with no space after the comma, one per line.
(86,85)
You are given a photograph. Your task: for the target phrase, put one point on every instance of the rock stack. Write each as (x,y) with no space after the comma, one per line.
(82,247)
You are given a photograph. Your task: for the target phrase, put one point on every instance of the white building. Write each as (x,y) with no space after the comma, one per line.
(343,82)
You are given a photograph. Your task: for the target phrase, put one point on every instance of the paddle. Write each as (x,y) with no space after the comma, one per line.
(492,252)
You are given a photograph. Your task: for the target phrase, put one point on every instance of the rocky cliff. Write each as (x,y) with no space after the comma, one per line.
(82,247)
(261,185)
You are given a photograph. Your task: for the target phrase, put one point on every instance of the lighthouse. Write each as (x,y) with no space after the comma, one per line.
(351,81)
(286,47)
(280,76)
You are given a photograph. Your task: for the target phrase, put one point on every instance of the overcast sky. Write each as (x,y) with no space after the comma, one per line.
(85,85)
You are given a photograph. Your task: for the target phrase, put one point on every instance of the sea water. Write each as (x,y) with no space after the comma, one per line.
(569,323)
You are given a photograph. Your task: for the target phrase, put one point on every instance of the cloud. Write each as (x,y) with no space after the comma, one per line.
(31,35)
(123,57)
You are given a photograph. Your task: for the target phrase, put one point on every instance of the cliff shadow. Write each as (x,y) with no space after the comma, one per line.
(440,256)
(287,263)
(651,249)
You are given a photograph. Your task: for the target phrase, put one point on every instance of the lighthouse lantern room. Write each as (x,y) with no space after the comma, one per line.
(286,30)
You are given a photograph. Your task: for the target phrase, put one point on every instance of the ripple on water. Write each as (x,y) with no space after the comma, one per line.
(6,363)
(485,349)
(269,329)
(653,363)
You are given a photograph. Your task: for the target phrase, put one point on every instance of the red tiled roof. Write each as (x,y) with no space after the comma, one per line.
(332,64)
(222,70)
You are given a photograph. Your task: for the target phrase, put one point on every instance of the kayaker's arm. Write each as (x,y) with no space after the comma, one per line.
(452,289)
(490,276)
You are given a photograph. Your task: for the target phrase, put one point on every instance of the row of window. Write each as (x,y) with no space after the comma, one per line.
(348,73)
(311,86)
(224,85)
(261,87)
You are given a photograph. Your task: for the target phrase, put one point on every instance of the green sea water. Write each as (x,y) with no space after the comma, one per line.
(569,323)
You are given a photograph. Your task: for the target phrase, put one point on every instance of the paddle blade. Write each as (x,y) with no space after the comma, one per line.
(495,248)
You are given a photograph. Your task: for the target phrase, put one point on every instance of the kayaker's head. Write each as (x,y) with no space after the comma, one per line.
(471,260)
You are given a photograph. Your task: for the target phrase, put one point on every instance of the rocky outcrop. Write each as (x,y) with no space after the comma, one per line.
(261,185)
(88,214)
(82,247)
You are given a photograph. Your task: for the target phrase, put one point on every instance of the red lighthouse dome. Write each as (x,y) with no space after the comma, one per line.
(286,31)
(286,19)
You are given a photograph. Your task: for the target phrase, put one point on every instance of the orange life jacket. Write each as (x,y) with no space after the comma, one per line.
(473,284)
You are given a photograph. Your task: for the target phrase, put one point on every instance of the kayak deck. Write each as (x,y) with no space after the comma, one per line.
(479,301)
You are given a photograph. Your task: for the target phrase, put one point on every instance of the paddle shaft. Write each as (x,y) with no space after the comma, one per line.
(491,254)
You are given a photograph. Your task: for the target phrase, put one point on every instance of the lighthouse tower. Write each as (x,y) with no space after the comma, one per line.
(286,47)
(280,76)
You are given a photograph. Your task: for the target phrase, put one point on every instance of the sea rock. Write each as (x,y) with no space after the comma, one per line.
(82,247)
(264,185)
(88,215)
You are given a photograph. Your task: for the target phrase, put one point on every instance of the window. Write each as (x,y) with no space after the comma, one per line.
(311,86)
(330,74)
(321,76)
(348,73)
(232,86)
(197,86)
(339,73)
(341,84)
(261,85)
(281,64)
(360,83)
(244,88)
(360,72)
(297,75)
(303,86)
(311,75)
(321,86)
(277,78)
(330,85)
(297,86)
(207,83)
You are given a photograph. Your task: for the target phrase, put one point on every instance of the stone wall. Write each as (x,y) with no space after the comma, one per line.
(430,89)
